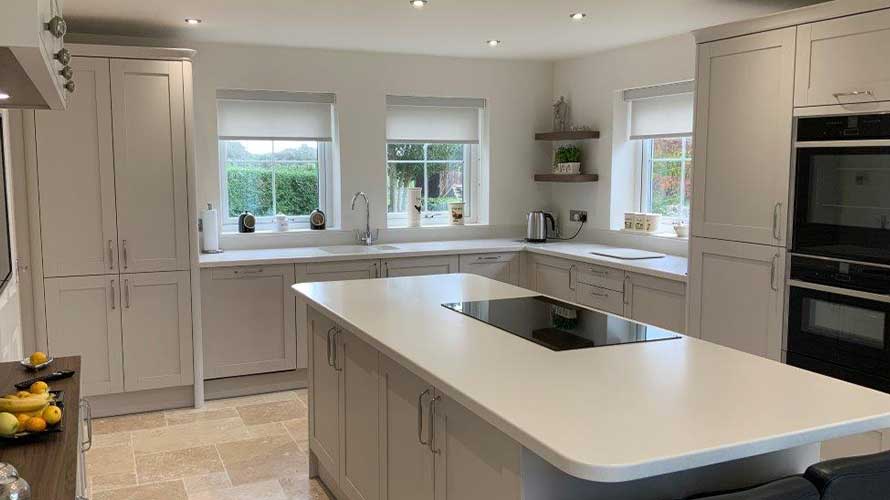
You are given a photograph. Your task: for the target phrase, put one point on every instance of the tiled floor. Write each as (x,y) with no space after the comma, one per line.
(253,448)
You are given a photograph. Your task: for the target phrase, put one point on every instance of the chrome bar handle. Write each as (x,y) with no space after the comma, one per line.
(336,351)
(127,293)
(432,426)
(627,288)
(386,269)
(777,232)
(855,93)
(88,419)
(125,254)
(572,277)
(772,273)
(113,298)
(376,271)
(330,358)
(420,417)
(110,255)
(593,270)
(598,294)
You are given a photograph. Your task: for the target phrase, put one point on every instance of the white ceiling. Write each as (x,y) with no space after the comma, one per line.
(538,29)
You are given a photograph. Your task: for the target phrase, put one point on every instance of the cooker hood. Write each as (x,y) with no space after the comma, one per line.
(34,71)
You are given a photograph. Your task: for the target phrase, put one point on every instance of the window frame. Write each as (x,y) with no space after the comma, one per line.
(440,218)
(267,223)
(644,186)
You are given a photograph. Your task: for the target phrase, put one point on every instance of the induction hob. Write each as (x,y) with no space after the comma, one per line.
(557,325)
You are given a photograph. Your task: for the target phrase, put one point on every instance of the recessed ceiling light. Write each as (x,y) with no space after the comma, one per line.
(193,20)
(419,4)
(577,16)
(493,43)
(3,96)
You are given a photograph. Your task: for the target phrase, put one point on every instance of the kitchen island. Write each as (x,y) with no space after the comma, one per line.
(409,399)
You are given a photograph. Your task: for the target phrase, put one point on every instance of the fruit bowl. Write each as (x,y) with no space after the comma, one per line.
(27,363)
(57,399)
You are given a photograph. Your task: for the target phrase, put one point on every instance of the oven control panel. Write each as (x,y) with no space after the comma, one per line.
(843,274)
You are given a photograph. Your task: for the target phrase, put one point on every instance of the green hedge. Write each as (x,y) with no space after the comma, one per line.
(250,189)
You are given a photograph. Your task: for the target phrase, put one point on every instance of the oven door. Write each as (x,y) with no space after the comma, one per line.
(840,335)
(841,201)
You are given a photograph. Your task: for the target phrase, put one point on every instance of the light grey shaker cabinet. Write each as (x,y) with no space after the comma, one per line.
(156,315)
(656,301)
(406,463)
(735,298)
(249,320)
(743,122)
(503,267)
(150,165)
(324,394)
(420,266)
(843,61)
(553,276)
(78,226)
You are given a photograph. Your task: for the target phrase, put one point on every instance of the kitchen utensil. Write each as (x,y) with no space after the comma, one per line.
(627,253)
(13,487)
(536,230)
(246,223)
(457,213)
(317,219)
(652,222)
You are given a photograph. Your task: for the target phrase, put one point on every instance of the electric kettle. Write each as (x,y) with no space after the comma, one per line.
(537,226)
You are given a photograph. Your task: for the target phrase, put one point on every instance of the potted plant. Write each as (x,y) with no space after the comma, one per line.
(567,160)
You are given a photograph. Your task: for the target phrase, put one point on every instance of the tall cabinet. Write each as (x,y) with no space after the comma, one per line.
(744,99)
(110,195)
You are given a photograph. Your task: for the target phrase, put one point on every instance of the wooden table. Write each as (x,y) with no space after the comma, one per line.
(49,464)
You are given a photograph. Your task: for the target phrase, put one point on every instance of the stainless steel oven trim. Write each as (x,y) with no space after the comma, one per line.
(852,143)
(838,259)
(853,108)
(876,297)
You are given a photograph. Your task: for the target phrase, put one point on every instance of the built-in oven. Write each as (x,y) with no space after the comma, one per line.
(842,187)
(839,320)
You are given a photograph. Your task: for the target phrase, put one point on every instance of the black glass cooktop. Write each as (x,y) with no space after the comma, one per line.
(557,325)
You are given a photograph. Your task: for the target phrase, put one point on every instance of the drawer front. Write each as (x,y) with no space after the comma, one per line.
(487,258)
(600,298)
(339,266)
(600,276)
(233,273)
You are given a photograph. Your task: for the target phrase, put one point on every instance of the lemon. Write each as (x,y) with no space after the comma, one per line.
(38,358)
(9,424)
(35,424)
(52,414)
(39,388)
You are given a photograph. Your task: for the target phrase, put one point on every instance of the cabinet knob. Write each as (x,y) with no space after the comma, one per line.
(63,56)
(57,26)
(69,86)
(67,73)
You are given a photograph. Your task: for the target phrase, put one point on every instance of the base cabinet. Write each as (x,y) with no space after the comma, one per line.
(656,301)
(552,276)
(420,266)
(249,320)
(324,394)
(503,267)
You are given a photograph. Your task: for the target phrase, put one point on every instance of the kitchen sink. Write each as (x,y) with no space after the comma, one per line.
(346,249)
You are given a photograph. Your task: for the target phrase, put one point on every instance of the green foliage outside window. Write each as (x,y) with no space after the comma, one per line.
(250,189)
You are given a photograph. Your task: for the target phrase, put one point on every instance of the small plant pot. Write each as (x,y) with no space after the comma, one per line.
(567,168)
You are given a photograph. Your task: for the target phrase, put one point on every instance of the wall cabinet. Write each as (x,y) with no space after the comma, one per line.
(656,301)
(420,266)
(552,276)
(744,93)
(735,298)
(843,61)
(83,319)
(503,267)
(249,320)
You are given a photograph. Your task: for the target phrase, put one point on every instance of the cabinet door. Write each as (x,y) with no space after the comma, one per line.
(406,462)
(324,395)
(249,320)
(843,61)
(656,301)
(734,297)
(420,266)
(83,318)
(75,175)
(157,330)
(150,165)
(497,266)
(553,277)
(360,417)
(743,126)
(474,461)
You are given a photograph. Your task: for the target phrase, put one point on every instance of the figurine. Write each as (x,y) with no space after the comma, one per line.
(561,115)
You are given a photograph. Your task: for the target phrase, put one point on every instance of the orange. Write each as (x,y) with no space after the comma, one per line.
(23,418)
(52,414)
(38,358)
(39,388)
(35,424)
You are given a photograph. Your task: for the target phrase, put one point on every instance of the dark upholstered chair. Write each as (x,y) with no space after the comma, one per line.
(854,478)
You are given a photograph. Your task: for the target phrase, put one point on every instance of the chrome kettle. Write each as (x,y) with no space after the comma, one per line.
(536,232)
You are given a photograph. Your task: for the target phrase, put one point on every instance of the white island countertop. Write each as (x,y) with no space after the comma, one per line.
(669,267)
(605,414)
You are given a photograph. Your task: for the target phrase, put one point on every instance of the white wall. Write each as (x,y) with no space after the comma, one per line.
(590,84)
(518,96)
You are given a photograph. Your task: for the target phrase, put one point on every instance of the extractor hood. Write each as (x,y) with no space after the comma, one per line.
(34,72)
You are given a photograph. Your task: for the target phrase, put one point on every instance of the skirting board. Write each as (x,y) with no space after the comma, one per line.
(125,403)
(255,384)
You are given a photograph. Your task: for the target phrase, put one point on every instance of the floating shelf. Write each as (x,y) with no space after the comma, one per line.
(568,135)
(567,177)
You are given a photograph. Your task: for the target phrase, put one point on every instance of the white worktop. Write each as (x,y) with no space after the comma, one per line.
(605,414)
(669,266)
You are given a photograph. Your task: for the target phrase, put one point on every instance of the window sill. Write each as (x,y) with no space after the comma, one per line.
(435,226)
(667,234)
(266,232)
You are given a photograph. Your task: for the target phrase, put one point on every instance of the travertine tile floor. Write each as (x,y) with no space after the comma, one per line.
(253,447)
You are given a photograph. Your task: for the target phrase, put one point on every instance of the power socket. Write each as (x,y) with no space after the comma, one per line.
(578,215)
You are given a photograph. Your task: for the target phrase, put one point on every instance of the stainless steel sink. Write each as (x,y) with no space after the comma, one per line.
(346,249)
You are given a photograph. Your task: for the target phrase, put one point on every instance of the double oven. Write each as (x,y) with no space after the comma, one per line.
(839,284)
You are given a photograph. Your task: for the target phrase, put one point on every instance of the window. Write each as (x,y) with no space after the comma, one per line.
(433,144)
(275,153)
(666,185)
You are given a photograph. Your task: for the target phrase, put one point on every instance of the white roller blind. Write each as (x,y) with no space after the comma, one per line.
(433,119)
(274,115)
(662,111)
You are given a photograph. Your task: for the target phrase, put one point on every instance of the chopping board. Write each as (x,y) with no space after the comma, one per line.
(628,254)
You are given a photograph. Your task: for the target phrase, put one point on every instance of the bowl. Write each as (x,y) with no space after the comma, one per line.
(27,363)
